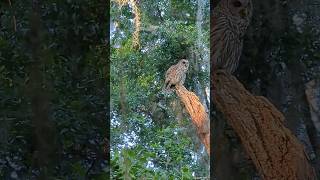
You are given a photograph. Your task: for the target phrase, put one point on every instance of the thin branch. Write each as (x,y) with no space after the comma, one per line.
(13,18)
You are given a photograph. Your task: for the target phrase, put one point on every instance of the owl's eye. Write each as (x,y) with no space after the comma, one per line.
(237,4)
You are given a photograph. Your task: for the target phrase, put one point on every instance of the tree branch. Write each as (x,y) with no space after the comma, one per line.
(274,150)
(197,113)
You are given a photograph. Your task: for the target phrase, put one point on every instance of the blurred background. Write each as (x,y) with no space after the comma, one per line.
(53,89)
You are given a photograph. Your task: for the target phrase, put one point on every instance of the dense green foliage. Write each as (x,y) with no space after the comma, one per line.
(61,72)
(148,137)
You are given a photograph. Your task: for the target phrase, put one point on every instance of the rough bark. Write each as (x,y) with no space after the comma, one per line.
(197,113)
(274,150)
(286,93)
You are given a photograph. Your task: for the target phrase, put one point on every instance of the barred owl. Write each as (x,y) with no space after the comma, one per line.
(176,74)
(230,21)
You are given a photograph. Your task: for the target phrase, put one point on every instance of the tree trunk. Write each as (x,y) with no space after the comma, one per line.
(274,150)
(197,113)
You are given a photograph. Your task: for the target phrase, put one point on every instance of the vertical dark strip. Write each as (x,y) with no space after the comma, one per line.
(44,130)
(212,5)
(107,150)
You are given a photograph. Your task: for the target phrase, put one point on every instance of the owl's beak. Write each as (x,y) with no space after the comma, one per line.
(243,13)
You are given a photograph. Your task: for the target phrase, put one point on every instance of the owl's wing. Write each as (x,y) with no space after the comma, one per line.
(168,78)
(170,71)
(227,52)
(226,45)
(219,37)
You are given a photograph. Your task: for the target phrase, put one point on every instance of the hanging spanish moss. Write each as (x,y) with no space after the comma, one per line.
(136,12)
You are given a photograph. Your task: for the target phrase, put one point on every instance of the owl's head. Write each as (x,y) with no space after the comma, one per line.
(239,8)
(184,63)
